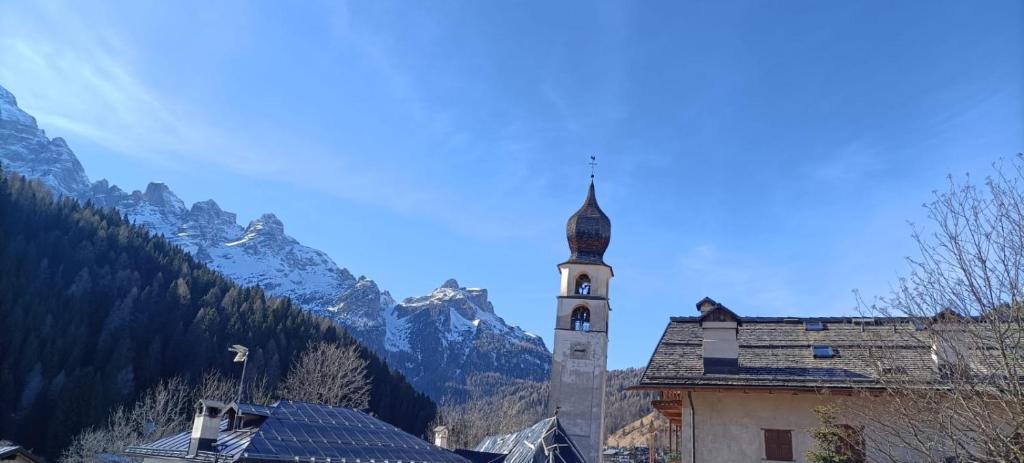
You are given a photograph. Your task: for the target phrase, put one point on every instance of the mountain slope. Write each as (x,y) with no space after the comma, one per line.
(454,328)
(436,340)
(97,310)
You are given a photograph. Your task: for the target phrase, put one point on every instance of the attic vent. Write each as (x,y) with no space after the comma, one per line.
(814,326)
(823,352)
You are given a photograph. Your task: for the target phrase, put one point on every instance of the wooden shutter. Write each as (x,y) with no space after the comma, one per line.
(778,444)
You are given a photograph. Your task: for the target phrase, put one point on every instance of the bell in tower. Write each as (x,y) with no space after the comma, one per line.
(580,355)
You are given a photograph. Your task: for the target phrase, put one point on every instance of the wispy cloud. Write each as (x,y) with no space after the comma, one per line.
(79,78)
(86,90)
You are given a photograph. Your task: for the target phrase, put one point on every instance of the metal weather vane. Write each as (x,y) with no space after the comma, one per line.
(593,165)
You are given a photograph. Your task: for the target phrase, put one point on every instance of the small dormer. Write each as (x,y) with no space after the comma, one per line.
(720,346)
(706,305)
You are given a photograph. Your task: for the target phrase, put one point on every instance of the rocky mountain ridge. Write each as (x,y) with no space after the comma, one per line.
(437,340)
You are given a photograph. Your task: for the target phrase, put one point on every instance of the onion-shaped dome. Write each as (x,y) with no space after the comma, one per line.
(589,231)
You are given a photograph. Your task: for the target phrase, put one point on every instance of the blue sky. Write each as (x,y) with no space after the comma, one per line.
(768,154)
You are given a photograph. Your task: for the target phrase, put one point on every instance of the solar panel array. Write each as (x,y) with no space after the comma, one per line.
(307,433)
(298,431)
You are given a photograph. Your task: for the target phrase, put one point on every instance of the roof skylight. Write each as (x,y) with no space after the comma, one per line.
(823,352)
(814,326)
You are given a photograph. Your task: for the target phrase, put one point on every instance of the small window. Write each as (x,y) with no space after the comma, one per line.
(814,326)
(583,285)
(778,444)
(823,352)
(580,319)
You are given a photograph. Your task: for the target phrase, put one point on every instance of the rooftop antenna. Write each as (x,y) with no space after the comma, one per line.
(593,166)
(241,356)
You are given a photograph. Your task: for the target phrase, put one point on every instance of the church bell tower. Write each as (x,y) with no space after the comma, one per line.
(580,356)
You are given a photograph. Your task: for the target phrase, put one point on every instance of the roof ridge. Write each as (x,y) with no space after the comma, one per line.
(781,319)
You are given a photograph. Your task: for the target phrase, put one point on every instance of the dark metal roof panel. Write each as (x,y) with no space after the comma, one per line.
(303,431)
(533,444)
(300,431)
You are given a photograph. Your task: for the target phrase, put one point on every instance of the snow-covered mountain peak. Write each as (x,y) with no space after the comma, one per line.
(266,225)
(59,143)
(451,290)
(160,195)
(10,112)
(359,307)
(452,326)
(7,97)
(25,149)
(386,301)
(210,211)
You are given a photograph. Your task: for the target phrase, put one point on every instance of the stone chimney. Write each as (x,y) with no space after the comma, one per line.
(720,347)
(949,341)
(205,426)
(441,436)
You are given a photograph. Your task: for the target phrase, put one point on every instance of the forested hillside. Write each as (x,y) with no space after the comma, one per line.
(96,310)
(622,407)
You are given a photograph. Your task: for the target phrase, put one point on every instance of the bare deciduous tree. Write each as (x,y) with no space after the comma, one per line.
(161,411)
(329,374)
(965,294)
(492,409)
(217,386)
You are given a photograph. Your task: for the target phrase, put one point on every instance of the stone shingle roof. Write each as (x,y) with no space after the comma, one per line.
(775,352)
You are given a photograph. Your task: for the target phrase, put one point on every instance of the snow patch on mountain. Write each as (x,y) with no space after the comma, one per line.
(396,335)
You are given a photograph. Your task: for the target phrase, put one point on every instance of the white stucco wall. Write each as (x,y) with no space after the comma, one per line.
(729,425)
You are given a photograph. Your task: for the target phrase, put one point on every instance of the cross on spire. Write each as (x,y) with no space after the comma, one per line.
(593,166)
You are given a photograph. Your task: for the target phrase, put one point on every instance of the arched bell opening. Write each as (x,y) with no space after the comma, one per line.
(580,320)
(583,285)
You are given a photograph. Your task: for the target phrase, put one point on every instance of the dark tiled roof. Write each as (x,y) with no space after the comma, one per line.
(776,352)
(532,444)
(300,431)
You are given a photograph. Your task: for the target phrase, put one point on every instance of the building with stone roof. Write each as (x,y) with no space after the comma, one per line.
(744,388)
